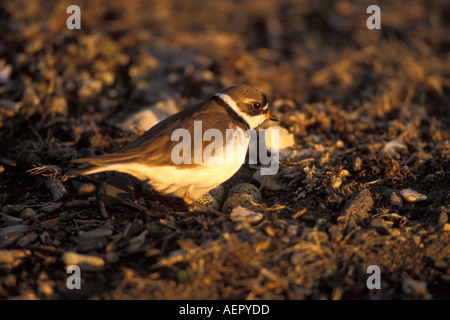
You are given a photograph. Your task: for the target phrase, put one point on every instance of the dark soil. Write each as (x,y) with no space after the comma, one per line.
(369,110)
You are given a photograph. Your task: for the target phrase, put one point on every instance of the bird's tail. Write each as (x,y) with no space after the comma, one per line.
(95,164)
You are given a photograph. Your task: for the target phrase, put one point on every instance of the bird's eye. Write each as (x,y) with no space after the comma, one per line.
(256,106)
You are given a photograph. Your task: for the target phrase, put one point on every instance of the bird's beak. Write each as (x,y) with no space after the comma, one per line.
(271,117)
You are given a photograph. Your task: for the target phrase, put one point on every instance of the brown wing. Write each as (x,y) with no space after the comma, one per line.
(154,146)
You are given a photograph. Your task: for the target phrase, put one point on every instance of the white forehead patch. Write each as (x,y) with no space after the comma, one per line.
(252,121)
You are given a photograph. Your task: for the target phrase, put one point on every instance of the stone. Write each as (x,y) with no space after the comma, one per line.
(336,182)
(412,196)
(86,189)
(357,164)
(396,200)
(147,117)
(27,239)
(245,215)
(28,213)
(356,211)
(85,262)
(443,216)
(57,189)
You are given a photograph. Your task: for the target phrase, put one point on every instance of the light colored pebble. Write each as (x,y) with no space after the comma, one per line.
(443,218)
(412,196)
(245,215)
(285,138)
(336,183)
(8,256)
(149,116)
(344,173)
(85,262)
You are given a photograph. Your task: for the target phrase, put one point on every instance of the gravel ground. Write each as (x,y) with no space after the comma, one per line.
(364,178)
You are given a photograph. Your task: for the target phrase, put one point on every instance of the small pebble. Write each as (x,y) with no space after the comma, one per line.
(412,196)
(344,173)
(336,183)
(9,256)
(357,164)
(396,200)
(339,144)
(28,213)
(285,138)
(270,232)
(292,230)
(86,189)
(27,239)
(394,146)
(149,116)
(56,188)
(245,215)
(443,218)
(85,262)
